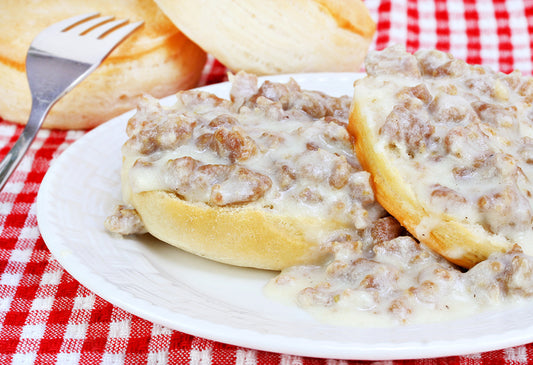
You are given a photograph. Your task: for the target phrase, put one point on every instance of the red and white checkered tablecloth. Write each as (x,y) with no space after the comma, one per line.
(47,317)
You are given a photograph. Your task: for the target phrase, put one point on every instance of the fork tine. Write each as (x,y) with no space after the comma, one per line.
(64,24)
(53,69)
(89,24)
(118,34)
(104,28)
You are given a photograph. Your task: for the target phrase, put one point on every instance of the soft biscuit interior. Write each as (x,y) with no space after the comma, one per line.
(278,36)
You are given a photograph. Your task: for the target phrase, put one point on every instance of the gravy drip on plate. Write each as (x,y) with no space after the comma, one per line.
(382,281)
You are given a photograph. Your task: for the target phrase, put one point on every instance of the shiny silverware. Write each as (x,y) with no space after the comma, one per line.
(58,59)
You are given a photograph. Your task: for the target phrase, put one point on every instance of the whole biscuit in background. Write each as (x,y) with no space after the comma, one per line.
(157,59)
(277,36)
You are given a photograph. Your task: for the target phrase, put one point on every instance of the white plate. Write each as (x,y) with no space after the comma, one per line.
(167,286)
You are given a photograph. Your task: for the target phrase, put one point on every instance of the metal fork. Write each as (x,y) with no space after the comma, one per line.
(59,58)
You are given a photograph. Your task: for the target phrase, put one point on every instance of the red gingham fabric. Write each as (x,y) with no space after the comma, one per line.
(47,317)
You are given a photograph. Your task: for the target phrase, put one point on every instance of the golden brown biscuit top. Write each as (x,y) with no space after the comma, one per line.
(21,21)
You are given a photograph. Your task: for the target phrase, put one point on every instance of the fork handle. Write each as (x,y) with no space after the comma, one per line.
(39,110)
